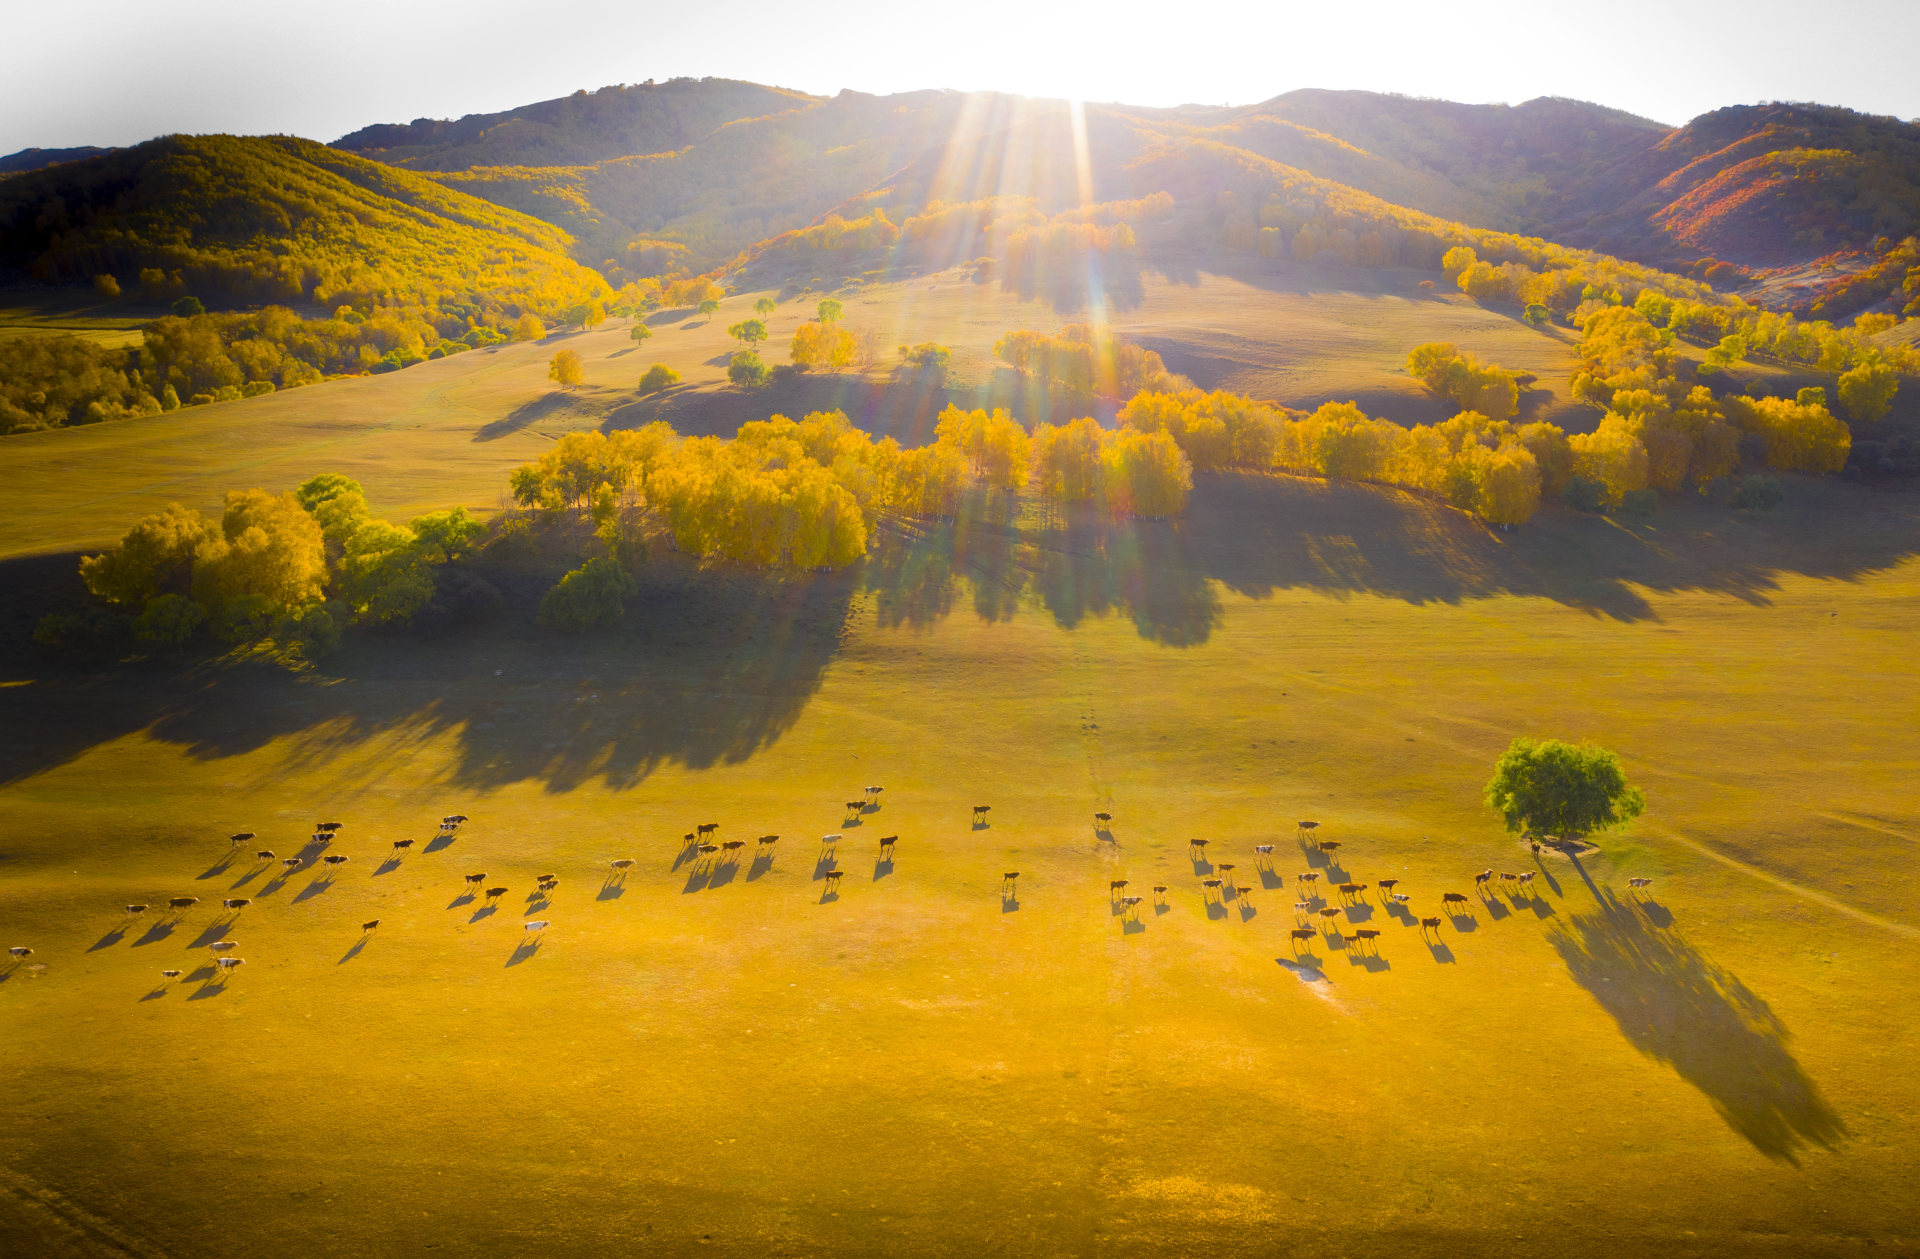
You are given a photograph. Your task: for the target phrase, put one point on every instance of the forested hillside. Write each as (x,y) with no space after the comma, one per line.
(587,126)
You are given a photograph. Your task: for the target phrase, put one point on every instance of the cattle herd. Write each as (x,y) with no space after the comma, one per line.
(1336,925)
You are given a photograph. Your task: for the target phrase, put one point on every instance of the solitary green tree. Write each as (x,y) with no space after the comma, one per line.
(829,310)
(748,331)
(709,306)
(746,370)
(659,377)
(1549,787)
(640,332)
(764,306)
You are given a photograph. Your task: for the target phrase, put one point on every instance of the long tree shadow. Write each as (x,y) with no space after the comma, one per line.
(1678,1007)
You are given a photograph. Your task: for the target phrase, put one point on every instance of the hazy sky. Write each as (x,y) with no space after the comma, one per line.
(120,71)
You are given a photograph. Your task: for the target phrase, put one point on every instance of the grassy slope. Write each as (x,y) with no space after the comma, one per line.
(910,1067)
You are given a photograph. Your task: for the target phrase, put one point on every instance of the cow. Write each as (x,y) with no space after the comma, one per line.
(855,807)
(886,845)
(134,911)
(1482,877)
(291,863)
(329,827)
(1263,850)
(1301,907)
(1387,885)
(1303,933)
(170,974)
(265,854)
(460,819)
(228,963)
(1211,884)
(401,845)
(1526,880)
(829,841)
(222,946)
(621,864)
(1006,879)
(1103,818)
(980,812)
(1328,845)
(833,876)
(1308,876)
(1159,891)
(1366,935)
(1349,889)
(538,924)
(475,880)
(19,951)
(733,845)
(1309,826)
(1452,898)
(236,904)
(183,902)
(369,925)
(1401,898)
(705,829)
(1201,844)
(707,850)
(336,859)
(1638,882)
(875,791)
(241,838)
(495,893)
(1427,924)
(1116,885)
(1329,912)
(766,840)
(548,882)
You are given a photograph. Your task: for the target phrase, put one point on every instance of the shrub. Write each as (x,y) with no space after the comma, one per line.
(170,621)
(659,377)
(1757,493)
(1584,495)
(589,597)
(106,286)
(746,370)
(189,306)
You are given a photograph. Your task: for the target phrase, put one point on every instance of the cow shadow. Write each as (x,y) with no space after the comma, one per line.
(697,878)
(443,840)
(1679,1007)
(214,931)
(313,889)
(485,911)
(274,884)
(108,940)
(524,951)
(1441,953)
(610,891)
(822,867)
(1540,905)
(217,869)
(1547,874)
(465,898)
(1463,923)
(1495,909)
(853,820)
(312,851)
(1104,835)
(980,825)
(1400,913)
(156,933)
(723,874)
(1162,907)
(159,991)
(1247,911)
(1305,967)
(249,876)
(686,854)
(762,863)
(1359,911)
(1368,961)
(1009,904)
(1272,882)
(1216,910)
(1131,926)
(208,990)
(536,902)
(1201,866)
(387,867)
(828,895)
(1656,913)
(354,950)
(882,867)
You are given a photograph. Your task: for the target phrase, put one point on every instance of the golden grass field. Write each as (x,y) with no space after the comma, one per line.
(732,1061)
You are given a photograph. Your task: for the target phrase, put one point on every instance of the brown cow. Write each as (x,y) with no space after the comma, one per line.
(980,811)
(1482,877)
(1328,845)
(1452,898)
(1303,933)
(705,829)
(477,879)
(183,902)
(1387,885)
(369,926)
(495,893)
(733,845)
(401,845)
(1115,885)
(236,904)
(886,844)
(1425,923)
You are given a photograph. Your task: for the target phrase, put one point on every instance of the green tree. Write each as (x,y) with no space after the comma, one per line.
(189,306)
(170,621)
(763,307)
(156,556)
(659,377)
(748,332)
(639,332)
(310,632)
(828,310)
(328,485)
(746,370)
(1554,788)
(447,535)
(589,597)
(106,286)
(709,306)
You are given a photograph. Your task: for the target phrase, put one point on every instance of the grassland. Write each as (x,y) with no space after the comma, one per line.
(736,1062)
(53,312)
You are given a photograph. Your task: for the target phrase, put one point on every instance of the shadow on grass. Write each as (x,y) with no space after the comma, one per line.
(610,892)
(1678,1007)
(353,950)
(1009,904)
(525,951)
(108,940)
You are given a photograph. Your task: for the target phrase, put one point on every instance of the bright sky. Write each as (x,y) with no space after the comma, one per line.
(119,71)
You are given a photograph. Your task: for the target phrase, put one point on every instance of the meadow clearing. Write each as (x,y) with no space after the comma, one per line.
(731,1059)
